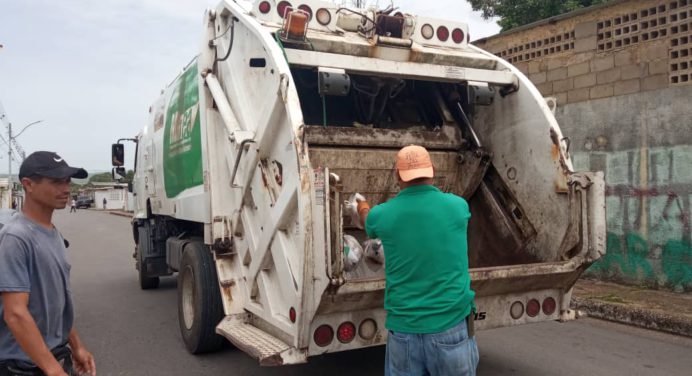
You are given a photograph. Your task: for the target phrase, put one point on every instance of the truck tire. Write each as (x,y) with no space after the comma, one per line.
(199,300)
(145,283)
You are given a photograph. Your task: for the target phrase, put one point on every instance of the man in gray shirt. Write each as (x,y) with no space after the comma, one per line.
(35,300)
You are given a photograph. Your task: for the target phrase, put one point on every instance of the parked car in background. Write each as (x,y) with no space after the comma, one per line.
(84,202)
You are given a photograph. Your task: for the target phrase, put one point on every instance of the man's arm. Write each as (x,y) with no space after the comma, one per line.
(23,327)
(84,361)
(363,211)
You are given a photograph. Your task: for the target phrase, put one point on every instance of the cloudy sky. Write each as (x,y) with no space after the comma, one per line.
(89,69)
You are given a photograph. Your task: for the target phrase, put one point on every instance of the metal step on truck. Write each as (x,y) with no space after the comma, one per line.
(292,106)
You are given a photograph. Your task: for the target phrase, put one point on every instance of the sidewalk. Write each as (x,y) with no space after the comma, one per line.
(651,309)
(120,213)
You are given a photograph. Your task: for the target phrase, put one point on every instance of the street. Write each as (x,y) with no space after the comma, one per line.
(135,332)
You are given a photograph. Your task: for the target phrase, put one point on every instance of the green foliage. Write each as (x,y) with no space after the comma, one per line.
(74,189)
(107,177)
(103,177)
(514,13)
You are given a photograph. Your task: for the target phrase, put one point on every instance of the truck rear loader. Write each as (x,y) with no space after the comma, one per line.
(289,108)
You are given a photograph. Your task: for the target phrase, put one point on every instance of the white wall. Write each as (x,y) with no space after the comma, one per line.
(116,199)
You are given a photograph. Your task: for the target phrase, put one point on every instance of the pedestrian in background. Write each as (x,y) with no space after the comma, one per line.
(428,296)
(104,203)
(37,336)
(73,206)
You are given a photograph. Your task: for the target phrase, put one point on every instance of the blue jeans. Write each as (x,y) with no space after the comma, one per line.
(449,353)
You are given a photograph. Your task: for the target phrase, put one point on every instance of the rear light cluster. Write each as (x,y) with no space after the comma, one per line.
(345,333)
(324,17)
(442,33)
(533,308)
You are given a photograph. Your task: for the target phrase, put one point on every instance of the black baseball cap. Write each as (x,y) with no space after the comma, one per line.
(51,165)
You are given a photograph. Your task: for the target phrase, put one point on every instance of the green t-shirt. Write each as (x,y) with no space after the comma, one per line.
(423,231)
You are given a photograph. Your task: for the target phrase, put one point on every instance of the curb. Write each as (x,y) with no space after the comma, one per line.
(643,318)
(121,214)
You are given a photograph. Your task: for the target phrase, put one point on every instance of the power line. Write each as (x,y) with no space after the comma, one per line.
(17,151)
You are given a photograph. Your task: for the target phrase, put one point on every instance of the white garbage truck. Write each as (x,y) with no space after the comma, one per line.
(289,108)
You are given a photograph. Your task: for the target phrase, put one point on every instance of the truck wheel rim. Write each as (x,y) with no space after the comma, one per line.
(188,298)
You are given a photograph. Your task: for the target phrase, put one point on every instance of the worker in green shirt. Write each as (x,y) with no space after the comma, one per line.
(428,296)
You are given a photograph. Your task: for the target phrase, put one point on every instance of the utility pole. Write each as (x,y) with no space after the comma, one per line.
(12,140)
(9,156)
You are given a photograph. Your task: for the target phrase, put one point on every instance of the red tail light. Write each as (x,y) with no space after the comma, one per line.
(281,8)
(442,33)
(292,314)
(549,306)
(533,307)
(458,36)
(265,7)
(346,332)
(323,335)
(307,10)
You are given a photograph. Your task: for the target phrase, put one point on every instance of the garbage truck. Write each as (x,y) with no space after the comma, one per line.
(290,107)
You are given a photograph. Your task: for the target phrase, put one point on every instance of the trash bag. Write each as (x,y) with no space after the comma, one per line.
(353,253)
(350,209)
(374,250)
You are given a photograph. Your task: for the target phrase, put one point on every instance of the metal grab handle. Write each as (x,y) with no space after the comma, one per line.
(568,143)
(237,161)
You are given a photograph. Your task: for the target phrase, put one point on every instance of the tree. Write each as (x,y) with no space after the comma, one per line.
(107,177)
(514,13)
(104,177)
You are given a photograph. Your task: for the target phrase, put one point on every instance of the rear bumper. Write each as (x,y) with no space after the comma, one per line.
(527,277)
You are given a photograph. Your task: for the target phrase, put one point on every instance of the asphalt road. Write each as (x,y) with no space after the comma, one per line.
(135,332)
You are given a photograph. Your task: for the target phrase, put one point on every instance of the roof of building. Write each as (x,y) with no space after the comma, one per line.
(109,185)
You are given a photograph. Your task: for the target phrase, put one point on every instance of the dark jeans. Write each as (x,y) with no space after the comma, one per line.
(19,368)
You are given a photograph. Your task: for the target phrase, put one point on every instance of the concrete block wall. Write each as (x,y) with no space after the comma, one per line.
(629,47)
(622,77)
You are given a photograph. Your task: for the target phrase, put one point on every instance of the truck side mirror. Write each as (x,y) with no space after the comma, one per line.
(118,173)
(118,155)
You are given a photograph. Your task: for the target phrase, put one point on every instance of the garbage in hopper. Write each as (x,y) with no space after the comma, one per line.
(351,209)
(353,253)
(374,250)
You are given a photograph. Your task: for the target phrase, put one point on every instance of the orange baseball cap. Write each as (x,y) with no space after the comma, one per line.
(413,162)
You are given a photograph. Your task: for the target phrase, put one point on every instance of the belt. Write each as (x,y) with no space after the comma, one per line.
(470,326)
(13,367)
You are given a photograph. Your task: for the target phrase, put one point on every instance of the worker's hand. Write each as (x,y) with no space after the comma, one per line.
(358,197)
(353,206)
(56,372)
(84,362)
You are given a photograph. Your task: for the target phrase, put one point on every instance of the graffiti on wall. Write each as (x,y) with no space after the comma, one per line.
(648,215)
